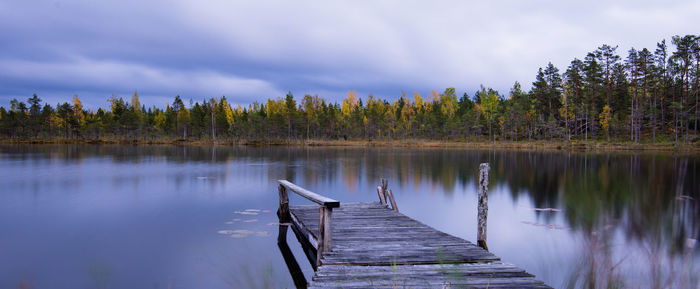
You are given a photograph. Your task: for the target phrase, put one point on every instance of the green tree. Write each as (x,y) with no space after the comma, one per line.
(574,93)
(520,102)
(34,113)
(682,59)
(604,118)
(291,112)
(592,93)
(607,57)
(66,116)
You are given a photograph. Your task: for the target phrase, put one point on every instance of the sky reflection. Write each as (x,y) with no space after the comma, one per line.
(125,216)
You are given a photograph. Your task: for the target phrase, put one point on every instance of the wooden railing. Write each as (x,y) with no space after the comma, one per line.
(326,206)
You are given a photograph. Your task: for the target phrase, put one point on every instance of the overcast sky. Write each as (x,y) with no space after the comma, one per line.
(254,50)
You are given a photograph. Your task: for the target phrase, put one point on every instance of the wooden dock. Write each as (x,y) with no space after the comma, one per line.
(370,245)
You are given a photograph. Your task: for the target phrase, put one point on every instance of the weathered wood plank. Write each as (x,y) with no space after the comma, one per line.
(374,246)
(385,237)
(311,196)
(491,275)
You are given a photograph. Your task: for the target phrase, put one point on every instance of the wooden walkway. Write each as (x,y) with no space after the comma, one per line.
(371,245)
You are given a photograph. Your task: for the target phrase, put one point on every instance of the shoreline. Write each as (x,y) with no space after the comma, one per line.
(577,146)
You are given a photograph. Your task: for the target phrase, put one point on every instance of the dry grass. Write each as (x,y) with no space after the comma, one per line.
(594,146)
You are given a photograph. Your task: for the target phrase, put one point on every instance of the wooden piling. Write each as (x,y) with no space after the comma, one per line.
(382,199)
(393,202)
(386,195)
(483,209)
(321,238)
(283,210)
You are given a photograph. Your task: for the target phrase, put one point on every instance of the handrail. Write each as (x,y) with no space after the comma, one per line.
(311,196)
(325,214)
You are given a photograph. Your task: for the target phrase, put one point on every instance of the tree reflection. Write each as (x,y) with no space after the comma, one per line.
(652,198)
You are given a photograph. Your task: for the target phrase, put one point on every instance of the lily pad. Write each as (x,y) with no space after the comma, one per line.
(548,226)
(278,224)
(241,233)
(245,213)
(547,210)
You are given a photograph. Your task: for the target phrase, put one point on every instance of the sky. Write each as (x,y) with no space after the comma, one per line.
(255,50)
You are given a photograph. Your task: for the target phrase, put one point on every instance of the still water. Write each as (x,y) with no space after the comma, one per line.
(80,216)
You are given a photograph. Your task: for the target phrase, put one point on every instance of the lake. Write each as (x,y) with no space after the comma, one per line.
(111,216)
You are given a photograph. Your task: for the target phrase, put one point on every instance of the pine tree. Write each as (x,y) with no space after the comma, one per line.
(607,57)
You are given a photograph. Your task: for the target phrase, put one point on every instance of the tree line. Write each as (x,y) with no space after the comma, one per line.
(650,95)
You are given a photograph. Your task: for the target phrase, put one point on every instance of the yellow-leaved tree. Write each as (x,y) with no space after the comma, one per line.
(228,113)
(418,101)
(489,102)
(78,112)
(183,118)
(136,107)
(159,120)
(349,104)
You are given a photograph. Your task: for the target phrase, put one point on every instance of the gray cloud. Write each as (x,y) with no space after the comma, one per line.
(255,50)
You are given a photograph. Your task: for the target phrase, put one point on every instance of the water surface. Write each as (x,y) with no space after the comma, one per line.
(89,216)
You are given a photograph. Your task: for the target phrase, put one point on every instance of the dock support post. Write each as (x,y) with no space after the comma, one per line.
(283,210)
(325,216)
(380,192)
(386,195)
(483,205)
(391,199)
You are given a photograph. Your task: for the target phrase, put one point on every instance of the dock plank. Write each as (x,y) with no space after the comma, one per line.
(474,275)
(374,246)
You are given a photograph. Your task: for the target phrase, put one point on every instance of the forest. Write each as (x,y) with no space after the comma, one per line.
(641,96)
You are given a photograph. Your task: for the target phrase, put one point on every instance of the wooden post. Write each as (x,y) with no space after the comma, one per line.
(386,195)
(381,195)
(327,220)
(325,216)
(483,205)
(283,210)
(385,185)
(391,199)
(321,234)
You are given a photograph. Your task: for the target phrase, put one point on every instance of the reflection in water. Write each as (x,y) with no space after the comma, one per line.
(610,202)
(294,269)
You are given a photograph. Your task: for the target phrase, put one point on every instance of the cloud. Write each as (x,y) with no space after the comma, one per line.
(105,76)
(251,50)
